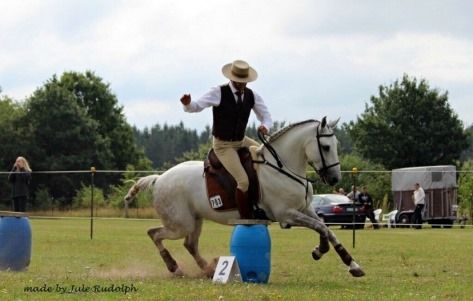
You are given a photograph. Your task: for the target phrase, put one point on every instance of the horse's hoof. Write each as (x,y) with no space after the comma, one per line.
(357,272)
(178,273)
(209,270)
(316,254)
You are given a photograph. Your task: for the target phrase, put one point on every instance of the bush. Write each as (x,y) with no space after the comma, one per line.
(83,197)
(43,199)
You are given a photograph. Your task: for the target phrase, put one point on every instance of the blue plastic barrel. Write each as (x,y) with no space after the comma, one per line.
(251,245)
(15,241)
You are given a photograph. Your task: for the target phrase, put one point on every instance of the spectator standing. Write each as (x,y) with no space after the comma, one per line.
(353,194)
(20,178)
(365,199)
(419,202)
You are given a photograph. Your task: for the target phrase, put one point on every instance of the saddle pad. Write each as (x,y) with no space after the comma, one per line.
(221,186)
(220,199)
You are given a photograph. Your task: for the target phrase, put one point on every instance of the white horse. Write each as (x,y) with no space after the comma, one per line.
(181,201)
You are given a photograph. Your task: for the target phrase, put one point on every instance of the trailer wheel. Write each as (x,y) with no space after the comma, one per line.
(436,224)
(403,221)
(447,224)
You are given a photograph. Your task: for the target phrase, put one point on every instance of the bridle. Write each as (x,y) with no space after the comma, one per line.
(281,167)
(321,172)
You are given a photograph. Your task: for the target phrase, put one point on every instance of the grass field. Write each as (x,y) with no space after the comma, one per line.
(401,264)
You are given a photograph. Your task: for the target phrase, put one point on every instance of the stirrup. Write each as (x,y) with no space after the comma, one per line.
(259,213)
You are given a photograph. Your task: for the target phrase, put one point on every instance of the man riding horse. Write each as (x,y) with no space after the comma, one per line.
(231,106)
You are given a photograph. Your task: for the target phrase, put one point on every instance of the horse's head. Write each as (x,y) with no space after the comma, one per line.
(322,152)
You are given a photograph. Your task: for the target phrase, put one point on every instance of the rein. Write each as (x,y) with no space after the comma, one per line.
(270,148)
(280,166)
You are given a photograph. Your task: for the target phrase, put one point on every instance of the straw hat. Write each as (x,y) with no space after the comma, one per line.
(239,71)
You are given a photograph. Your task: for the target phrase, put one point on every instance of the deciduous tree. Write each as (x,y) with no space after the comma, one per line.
(409,124)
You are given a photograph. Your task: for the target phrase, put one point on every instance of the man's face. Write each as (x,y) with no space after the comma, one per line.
(239,86)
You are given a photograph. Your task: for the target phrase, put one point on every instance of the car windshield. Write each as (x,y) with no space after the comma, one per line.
(326,199)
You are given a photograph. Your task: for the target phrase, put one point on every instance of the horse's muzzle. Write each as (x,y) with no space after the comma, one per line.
(332,181)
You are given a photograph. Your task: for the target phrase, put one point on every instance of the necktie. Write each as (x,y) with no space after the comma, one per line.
(239,100)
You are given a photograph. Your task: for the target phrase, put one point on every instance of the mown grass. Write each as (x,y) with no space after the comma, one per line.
(401,264)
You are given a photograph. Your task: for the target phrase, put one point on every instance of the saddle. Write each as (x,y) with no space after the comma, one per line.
(221,185)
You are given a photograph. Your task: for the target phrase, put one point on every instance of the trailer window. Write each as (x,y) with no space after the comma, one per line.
(437,176)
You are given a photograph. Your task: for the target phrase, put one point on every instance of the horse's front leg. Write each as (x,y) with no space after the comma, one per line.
(191,243)
(301,219)
(157,235)
(324,245)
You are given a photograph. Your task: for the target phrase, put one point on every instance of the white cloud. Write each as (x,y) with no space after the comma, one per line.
(141,110)
(322,54)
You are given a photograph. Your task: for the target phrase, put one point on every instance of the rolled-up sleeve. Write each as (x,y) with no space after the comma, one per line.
(262,112)
(209,99)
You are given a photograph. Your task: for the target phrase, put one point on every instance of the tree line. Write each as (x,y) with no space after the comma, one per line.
(74,121)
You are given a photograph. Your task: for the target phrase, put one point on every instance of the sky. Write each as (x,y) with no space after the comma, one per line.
(314,58)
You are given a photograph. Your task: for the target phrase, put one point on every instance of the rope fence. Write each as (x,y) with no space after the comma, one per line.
(366,225)
(460,222)
(162,171)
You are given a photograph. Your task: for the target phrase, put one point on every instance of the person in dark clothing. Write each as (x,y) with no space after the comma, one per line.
(365,199)
(20,178)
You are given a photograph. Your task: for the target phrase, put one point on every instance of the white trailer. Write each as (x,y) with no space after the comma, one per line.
(440,186)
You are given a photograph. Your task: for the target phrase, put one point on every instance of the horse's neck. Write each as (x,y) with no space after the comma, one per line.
(291,148)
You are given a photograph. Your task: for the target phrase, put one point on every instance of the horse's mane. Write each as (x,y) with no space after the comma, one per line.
(286,129)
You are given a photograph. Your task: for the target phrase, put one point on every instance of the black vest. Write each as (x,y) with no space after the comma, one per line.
(229,118)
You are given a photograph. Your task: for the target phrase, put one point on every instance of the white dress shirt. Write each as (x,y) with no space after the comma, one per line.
(419,196)
(212,99)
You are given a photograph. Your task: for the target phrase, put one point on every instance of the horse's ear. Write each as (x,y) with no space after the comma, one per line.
(333,124)
(324,122)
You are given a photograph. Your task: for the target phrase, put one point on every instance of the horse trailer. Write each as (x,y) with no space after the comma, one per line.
(440,186)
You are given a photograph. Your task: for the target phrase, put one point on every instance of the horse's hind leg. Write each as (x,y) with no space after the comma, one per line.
(325,233)
(157,236)
(191,243)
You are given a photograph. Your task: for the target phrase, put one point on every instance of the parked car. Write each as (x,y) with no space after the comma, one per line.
(337,209)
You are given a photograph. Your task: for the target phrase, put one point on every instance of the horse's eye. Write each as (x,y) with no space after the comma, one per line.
(326,148)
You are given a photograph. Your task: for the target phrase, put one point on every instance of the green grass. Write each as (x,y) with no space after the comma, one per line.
(401,264)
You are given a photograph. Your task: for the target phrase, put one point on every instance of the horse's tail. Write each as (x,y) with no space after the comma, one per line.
(142,184)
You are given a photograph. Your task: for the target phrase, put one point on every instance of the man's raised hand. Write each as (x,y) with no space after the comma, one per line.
(186,99)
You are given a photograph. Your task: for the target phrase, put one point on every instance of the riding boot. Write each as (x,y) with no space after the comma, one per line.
(259,213)
(243,204)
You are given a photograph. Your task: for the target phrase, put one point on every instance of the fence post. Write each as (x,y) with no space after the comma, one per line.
(354,173)
(92,174)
